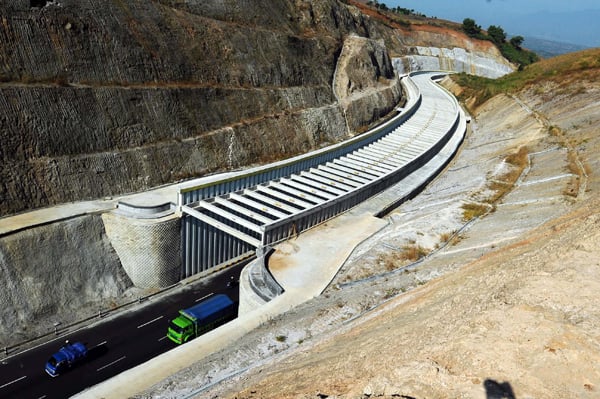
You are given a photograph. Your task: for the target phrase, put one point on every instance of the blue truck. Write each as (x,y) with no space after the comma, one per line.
(65,358)
(200,318)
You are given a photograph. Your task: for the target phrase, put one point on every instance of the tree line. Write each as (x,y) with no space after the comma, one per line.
(512,49)
(398,10)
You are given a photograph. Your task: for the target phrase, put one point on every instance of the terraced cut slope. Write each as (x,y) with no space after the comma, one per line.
(105,100)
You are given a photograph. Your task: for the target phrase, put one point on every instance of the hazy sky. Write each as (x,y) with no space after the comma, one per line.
(569,21)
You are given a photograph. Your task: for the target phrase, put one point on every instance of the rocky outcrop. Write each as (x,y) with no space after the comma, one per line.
(365,82)
(56,273)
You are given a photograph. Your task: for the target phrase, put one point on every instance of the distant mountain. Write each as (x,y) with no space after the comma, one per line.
(580,27)
(549,48)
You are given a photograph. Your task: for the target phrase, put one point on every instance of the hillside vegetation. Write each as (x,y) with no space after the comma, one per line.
(563,70)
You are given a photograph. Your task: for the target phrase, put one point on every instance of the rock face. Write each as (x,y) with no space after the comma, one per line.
(55,273)
(454,59)
(99,101)
(428,47)
(364,67)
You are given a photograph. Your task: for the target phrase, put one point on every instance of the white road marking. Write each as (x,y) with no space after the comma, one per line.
(205,296)
(100,344)
(163,337)
(12,382)
(111,363)
(149,322)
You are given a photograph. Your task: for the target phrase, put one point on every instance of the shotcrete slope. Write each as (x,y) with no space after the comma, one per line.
(105,100)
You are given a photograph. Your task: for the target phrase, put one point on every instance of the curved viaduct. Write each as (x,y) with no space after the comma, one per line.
(254,209)
(249,211)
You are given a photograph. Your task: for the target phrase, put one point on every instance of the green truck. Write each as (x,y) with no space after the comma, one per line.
(200,318)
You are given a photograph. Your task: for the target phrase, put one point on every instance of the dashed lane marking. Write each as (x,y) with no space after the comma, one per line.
(111,363)
(12,382)
(150,322)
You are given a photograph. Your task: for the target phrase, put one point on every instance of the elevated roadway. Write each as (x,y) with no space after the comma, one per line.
(266,205)
(319,253)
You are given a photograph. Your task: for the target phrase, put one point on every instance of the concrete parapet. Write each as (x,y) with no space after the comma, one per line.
(249,299)
(149,249)
(145,212)
(257,284)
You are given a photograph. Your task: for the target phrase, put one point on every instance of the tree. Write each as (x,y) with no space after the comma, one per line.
(516,41)
(497,34)
(470,27)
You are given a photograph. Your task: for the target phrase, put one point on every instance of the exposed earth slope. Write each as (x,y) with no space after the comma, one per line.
(503,306)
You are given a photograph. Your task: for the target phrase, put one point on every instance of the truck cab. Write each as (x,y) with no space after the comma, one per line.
(181,330)
(65,358)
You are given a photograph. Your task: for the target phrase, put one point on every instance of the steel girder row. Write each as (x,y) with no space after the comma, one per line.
(276,210)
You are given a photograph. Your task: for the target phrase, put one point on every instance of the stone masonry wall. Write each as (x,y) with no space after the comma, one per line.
(149,249)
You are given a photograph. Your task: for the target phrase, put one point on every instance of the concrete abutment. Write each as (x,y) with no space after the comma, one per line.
(149,248)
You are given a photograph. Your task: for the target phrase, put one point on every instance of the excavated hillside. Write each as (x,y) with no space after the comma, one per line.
(118,97)
(101,100)
(432,44)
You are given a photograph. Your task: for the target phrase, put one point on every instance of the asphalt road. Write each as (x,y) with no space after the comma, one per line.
(116,344)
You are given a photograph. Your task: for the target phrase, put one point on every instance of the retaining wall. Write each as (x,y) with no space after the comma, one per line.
(149,249)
